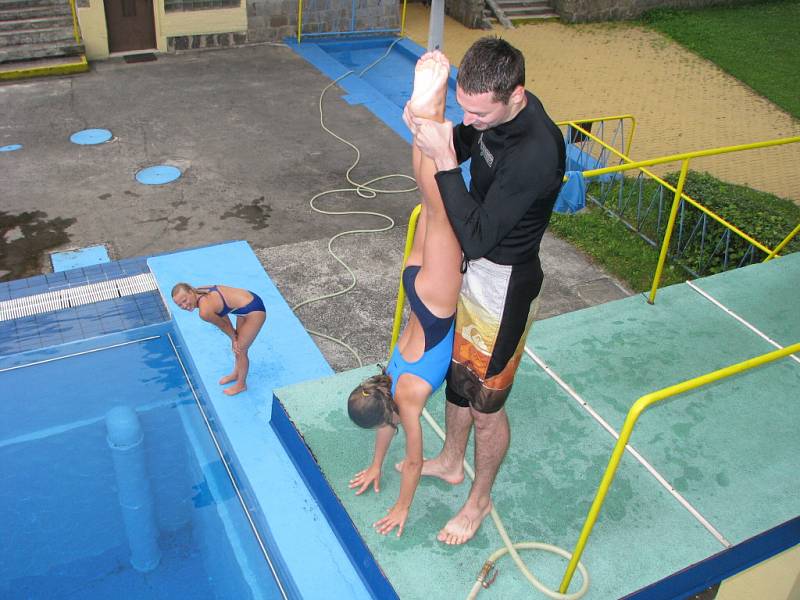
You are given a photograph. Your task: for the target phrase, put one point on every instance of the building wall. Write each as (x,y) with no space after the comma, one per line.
(92,21)
(251,22)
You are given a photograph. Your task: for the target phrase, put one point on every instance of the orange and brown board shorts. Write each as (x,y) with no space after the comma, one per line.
(496,308)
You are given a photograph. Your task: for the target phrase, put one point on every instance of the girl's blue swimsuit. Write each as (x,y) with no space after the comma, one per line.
(255,304)
(432,366)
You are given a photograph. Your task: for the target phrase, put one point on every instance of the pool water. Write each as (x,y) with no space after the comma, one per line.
(62,495)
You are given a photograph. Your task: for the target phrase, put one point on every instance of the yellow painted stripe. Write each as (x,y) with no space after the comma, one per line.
(81,66)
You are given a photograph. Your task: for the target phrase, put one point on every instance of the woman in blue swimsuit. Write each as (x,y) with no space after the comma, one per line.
(216,302)
(431,279)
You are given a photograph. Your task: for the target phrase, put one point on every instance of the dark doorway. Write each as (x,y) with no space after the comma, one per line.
(131,25)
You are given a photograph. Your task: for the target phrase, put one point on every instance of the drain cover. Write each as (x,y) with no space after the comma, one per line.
(89,137)
(158,175)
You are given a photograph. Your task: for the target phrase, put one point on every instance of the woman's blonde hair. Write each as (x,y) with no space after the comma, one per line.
(371,403)
(185,287)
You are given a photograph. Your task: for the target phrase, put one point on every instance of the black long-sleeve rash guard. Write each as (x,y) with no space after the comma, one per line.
(517,169)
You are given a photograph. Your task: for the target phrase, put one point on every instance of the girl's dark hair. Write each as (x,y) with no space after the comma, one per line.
(371,403)
(492,65)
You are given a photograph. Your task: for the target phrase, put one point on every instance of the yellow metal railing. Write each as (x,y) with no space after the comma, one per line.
(412,221)
(76,31)
(634,413)
(577,124)
(401,294)
(642,165)
(685,158)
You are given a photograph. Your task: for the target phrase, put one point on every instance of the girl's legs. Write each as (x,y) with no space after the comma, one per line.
(247,328)
(439,280)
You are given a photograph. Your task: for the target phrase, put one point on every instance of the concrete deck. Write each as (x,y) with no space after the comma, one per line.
(729,449)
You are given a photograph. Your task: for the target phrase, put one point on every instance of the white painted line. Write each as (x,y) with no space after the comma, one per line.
(741,320)
(660,478)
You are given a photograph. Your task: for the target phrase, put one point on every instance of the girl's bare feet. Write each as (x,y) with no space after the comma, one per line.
(228,379)
(235,389)
(430,86)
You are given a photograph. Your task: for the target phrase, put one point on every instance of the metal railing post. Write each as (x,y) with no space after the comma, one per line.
(662,258)
(401,295)
(782,245)
(299,19)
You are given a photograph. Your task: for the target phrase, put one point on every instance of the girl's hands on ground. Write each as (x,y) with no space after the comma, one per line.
(362,479)
(396,518)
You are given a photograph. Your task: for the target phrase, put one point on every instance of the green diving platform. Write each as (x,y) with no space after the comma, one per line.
(708,487)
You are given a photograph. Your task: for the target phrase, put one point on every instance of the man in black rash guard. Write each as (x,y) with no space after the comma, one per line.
(517,168)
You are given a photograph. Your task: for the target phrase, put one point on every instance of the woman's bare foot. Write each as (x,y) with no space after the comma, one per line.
(461,528)
(430,86)
(235,389)
(435,467)
(228,379)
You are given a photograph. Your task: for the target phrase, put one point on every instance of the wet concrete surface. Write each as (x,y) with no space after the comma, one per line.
(243,126)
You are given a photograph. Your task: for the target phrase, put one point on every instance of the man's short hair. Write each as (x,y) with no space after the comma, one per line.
(492,65)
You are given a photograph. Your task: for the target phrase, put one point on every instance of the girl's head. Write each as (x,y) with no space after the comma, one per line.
(185,296)
(371,403)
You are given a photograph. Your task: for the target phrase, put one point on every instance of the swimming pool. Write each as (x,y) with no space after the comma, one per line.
(90,510)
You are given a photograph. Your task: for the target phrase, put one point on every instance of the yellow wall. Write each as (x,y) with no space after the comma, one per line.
(775,579)
(92,22)
(198,22)
(95,33)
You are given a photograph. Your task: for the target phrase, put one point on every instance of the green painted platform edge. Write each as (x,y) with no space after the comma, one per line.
(489,539)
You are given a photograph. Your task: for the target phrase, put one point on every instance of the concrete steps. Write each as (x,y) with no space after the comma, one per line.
(517,10)
(36,29)
(40,23)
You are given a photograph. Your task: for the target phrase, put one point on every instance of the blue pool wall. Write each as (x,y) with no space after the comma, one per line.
(309,556)
(71,535)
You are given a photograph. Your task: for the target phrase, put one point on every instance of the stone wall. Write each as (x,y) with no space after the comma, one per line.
(580,11)
(470,12)
(466,12)
(273,20)
(210,40)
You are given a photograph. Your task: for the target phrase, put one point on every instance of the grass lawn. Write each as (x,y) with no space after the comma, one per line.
(624,254)
(757,44)
(620,252)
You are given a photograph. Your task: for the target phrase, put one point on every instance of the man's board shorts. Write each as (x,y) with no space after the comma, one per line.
(496,308)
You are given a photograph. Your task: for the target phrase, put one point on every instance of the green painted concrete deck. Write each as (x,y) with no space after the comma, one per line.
(729,449)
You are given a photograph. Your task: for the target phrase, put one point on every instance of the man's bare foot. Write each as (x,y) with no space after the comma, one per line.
(430,86)
(235,389)
(461,528)
(434,467)
(228,379)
